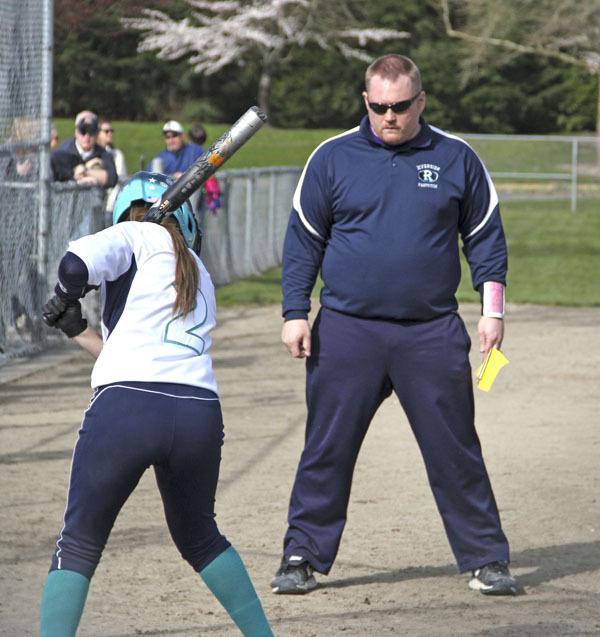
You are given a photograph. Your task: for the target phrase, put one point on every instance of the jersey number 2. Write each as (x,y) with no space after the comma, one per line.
(180,330)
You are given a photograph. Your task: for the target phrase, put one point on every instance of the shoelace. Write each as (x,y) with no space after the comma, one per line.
(498,567)
(288,568)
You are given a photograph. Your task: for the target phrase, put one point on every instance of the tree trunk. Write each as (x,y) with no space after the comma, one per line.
(598,106)
(264,91)
(598,125)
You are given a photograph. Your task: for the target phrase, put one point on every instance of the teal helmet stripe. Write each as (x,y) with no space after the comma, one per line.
(149,187)
(187,224)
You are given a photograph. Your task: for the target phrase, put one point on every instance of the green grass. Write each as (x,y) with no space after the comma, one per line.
(291,147)
(524,155)
(257,290)
(554,254)
(554,259)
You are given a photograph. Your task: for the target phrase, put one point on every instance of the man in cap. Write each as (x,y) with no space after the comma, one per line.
(81,158)
(178,156)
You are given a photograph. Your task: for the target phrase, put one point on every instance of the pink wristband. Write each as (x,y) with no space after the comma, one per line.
(493,299)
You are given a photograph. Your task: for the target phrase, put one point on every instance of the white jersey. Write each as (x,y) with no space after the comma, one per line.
(134,265)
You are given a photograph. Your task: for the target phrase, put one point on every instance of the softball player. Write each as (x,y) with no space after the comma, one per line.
(155,403)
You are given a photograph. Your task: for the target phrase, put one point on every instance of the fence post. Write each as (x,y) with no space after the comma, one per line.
(271,215)
(574,152)
(248,223)
(44,151)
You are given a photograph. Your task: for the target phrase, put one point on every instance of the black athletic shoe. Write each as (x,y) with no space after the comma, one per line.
(494,579)
(294,577)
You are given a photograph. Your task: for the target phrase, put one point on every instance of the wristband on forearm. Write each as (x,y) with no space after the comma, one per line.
(493,299)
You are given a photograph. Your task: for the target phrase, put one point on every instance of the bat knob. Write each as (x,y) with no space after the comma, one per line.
(154,214)
(260,114)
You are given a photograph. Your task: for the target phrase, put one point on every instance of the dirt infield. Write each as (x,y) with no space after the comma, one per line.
(395,575)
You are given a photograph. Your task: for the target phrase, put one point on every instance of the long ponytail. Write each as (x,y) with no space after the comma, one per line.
(187,277)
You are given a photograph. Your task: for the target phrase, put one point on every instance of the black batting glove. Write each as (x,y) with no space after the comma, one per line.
(71,322)
(53,310)
(65,316)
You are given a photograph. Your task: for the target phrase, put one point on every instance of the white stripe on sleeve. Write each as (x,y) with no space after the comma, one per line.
(493,194)
(296,200)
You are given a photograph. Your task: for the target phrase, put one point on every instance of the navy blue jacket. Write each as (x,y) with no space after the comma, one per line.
(180,161)
(382,223)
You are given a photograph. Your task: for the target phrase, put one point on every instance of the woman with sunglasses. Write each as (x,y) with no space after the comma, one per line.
(155,403)
(106,134)
(378,210)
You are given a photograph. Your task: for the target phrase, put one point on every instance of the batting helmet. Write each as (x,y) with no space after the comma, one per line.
(148,187)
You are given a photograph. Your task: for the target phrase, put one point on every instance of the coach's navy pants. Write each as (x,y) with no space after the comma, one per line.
(127,428)
(354,366)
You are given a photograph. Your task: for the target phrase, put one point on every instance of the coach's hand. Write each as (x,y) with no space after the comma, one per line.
(296,337)
(491,333)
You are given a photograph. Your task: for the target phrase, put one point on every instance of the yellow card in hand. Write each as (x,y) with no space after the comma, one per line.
(488,370)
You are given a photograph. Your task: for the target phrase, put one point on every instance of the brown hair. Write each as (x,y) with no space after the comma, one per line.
(391,67)
(197,134)
(187,277)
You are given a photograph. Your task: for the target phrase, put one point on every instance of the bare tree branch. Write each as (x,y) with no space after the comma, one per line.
(565,30)
(509,44)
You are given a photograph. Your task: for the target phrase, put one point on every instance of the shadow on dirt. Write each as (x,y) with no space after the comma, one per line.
(549,562)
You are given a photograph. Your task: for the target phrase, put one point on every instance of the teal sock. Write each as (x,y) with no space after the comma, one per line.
(63,599)
(229,582)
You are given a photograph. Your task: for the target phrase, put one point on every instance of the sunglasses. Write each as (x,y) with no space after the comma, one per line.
(397,107)
(171,135)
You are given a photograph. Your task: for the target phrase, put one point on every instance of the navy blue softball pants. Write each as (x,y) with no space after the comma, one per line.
(355,364)
(128,427)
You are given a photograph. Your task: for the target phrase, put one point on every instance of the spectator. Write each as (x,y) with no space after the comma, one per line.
(53,139)
(22,165)
(212,195)
(177,156)
(105,138)
(197,134)
(212,190)
(82,158)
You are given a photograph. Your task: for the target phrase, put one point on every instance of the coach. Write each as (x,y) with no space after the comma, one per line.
(378,209)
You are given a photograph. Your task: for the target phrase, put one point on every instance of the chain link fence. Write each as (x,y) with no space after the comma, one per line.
(75,211)
(25,105)
(243,239)
(246,237)
(542,167)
